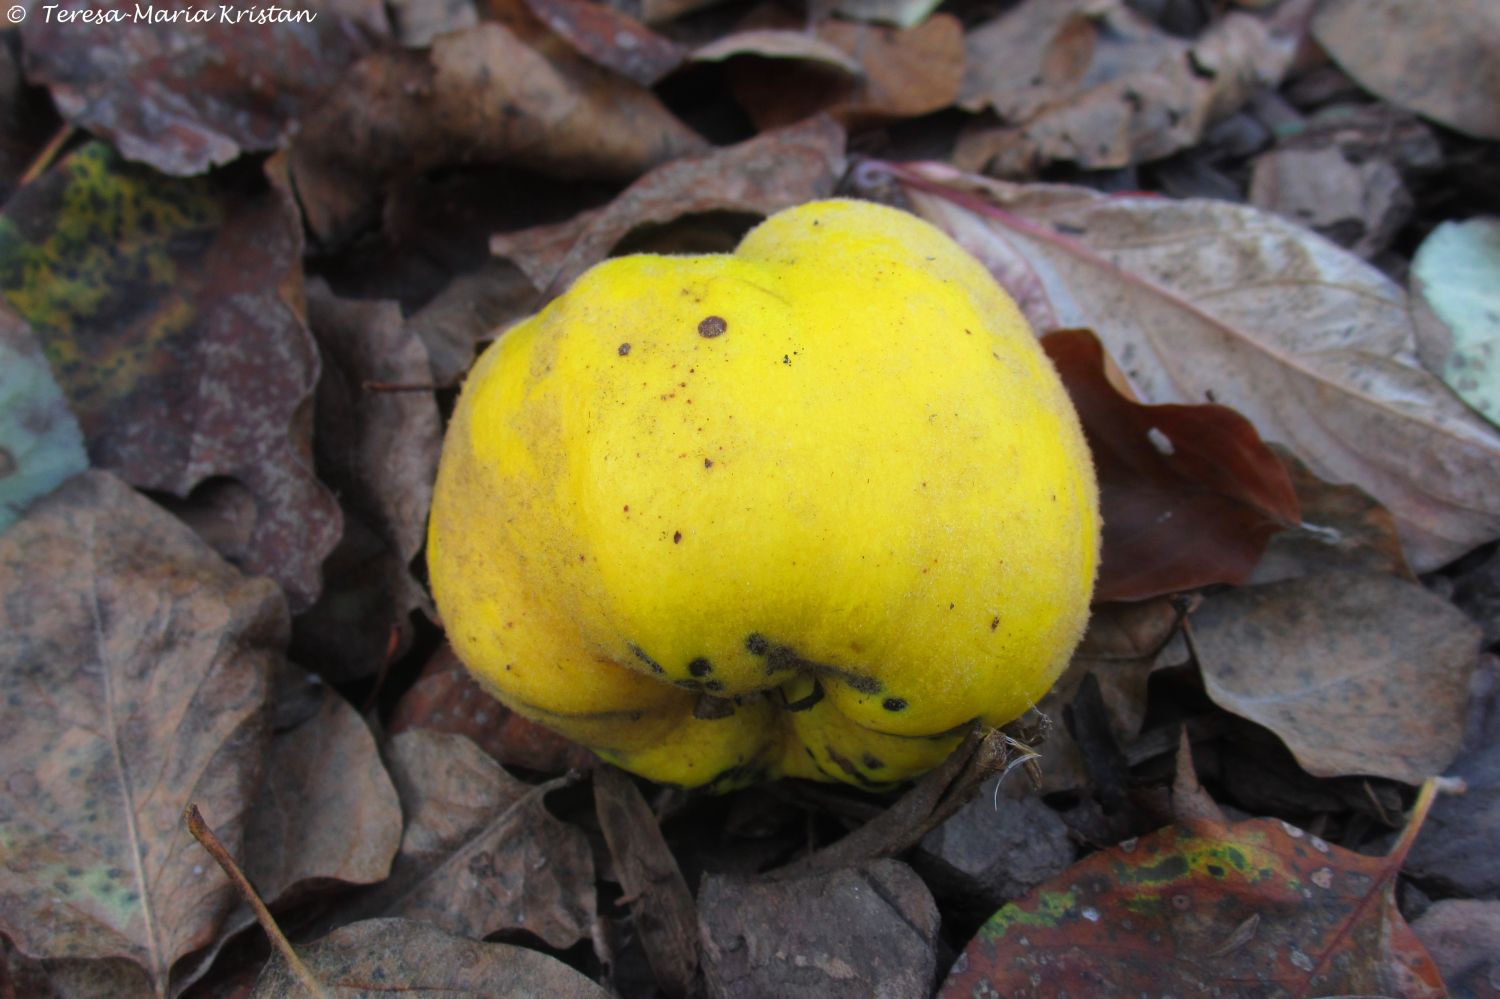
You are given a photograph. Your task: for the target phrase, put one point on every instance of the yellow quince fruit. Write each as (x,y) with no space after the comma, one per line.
(808,509)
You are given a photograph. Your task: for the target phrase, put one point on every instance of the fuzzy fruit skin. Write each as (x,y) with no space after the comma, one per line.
(660,537)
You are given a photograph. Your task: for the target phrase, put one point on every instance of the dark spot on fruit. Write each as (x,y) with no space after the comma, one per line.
(872,762)
(688,684)
(623,349)
(785,359)
(712,326)
(756,644)
(848,767)
(894,704)
(712,685)
(710,708)
(627,507)
(708,463)
(994,622)
(640,654)
(676,537)
(700,667)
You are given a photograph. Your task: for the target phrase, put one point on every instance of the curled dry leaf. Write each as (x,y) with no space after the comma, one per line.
(1357,674)
(477,95)
(1253,908)
(760,176)
(1456,285)
(422,962)
(611,38)
(40,443)
(185,96)
(135,682)
(1435,59)
(481,853)
(1204,300)
(1095,84)
(778,43)
(378,449)
(1360,206)
(159,303)
(1189,495)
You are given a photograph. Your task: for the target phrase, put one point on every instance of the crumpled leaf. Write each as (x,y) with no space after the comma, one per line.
(1437,59)
(477,95)
(902,13)
(135,683)
(40,443)
(759,176)
(902,73)
(184,96)
(422,962)
(1357,674)
(481,853)
(1254,908)
(1208,301)
(1456,281)
(610,38)
(1360,206)
(778,43)
(1189,495)
(377,446)
(1092,83)
(159,303)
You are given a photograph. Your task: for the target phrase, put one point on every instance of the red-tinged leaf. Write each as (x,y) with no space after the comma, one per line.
(1257,908)
(447,698)
(194,93)
(159,303)
(135,681)
(610,38)
(1189,495)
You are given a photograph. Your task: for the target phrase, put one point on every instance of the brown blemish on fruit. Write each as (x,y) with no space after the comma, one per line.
(894,704)
(872,762)
(700,667)
(676,537)
(640,654)
(994,622)
(623,349)
(707,462)
(712,326)
(785,659)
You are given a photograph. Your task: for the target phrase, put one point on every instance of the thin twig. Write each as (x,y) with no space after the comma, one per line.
(43,159)
(215,847)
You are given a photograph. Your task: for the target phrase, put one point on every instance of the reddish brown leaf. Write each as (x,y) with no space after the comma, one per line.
(159,303)
(760,176)
(419,961)
(476,96)
(447,698)
(1189,495)
(613,40)
(135,682)
(1257,908)
(182,96)
(1357,674)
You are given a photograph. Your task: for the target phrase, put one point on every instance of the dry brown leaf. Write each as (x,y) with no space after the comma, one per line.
(1093,83)
(1359,206)
(1357,674)
(184,96)
(778,43)
(419,961)
(759,176)
(610,38)
(1437,59)
(476,96)
(135,683)
(1208,301)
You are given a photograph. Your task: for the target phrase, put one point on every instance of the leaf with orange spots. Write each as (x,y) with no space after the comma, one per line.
(1256,908)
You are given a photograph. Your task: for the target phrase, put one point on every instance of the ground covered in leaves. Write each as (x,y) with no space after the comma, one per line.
(245,263)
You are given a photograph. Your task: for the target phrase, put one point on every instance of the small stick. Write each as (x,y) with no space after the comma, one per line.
(215,847)
(49,152)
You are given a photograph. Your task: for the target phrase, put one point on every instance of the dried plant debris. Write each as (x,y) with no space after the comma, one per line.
(40,443)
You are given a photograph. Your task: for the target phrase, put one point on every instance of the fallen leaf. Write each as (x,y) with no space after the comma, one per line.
(902,73)
(24,978)
(447,698)
(377,447)
(327,810)
(478,95)
(1342,529)
(661,906)
(1455,279)
(1253,908)
(423,962)
(471,308)
(1434,59)
(481,853)
(418,22)
(1463,937)
(1456,850)
(760,176)
(1195,300)
(849,933)
(1357,674)
(1360,206)
(159,303)
(135,682)
(1189,495)
(1094,84)
(199,90)
(778,43)
(611,39)
(40,443)
(902,13)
